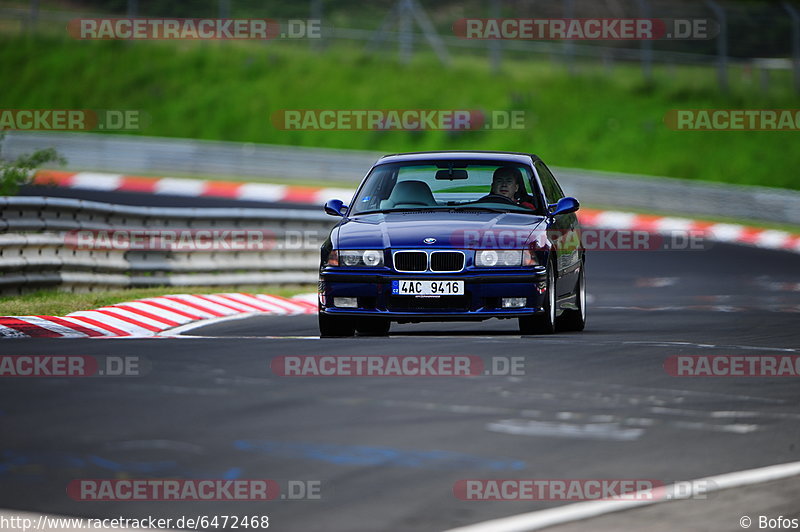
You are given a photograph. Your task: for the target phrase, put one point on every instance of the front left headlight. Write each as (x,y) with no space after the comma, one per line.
(361,257)
(489,258)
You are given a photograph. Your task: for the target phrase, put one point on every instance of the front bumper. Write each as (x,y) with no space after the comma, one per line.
(483,292)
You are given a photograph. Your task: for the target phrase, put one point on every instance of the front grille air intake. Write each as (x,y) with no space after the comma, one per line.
(447,261)
(410,261)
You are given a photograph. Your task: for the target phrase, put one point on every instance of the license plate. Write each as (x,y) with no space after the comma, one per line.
(427,288)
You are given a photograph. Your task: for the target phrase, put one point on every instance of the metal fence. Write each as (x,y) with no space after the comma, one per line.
(258,162)
(763,37)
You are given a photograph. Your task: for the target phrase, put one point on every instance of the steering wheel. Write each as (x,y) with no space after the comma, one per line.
(496,198)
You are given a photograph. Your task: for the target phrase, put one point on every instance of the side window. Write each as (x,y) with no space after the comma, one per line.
(552,191)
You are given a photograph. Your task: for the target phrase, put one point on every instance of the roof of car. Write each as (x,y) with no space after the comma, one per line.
(509,156)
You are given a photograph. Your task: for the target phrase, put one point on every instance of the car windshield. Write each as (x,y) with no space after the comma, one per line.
(448,185)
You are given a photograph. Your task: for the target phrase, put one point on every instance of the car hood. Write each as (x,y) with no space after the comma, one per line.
(449,229)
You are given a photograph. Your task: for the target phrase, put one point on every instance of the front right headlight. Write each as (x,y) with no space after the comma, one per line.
(361,257)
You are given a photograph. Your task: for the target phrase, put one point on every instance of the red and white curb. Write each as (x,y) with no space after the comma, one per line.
(266,192)
(154,315)
(719,232)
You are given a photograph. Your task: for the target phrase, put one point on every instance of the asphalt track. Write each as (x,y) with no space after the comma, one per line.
(388,451)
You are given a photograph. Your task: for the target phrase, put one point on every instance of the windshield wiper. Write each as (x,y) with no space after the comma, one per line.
(479,207)
(384,211)
(518,210)
(446,208)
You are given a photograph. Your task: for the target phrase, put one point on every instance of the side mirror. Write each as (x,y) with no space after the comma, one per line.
(564,206)
(335,207)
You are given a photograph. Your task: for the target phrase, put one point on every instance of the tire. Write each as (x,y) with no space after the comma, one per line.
(373,326)
(575,320)
(335,326)
(545,322)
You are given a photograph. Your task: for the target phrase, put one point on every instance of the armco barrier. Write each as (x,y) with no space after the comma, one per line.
(162,156)
(38,246)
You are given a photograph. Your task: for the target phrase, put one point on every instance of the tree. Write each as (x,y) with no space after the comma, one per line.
(20,171)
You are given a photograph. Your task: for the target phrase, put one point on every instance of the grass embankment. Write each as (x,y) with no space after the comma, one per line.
(55,303)
(228,91)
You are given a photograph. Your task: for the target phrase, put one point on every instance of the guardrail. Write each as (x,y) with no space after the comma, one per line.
(664,195)
(260,162)
(135,154)
(41,245)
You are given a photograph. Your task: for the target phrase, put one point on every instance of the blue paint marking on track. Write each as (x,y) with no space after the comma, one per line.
(232,473)
(60,460)
(138,467)
(33,465)
(362,455)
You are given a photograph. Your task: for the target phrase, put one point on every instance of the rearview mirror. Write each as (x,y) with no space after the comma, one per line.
(335,207)
(564,206)
(450,175)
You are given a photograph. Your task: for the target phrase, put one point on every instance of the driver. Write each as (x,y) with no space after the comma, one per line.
(506,182)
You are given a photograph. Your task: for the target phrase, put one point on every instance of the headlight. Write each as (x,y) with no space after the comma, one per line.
(361,257)
(501,257)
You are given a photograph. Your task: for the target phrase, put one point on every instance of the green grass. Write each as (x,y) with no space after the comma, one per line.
(228,91)
(56,303)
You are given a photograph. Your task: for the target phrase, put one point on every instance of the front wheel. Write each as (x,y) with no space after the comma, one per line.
(575,319)
(545,322)
(335,326)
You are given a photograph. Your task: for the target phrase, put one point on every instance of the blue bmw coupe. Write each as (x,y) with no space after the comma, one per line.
(453,236)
